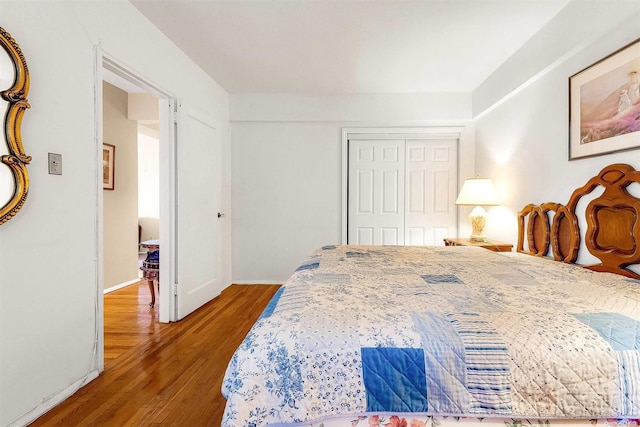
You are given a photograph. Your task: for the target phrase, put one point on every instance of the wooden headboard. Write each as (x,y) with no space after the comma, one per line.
(613,224)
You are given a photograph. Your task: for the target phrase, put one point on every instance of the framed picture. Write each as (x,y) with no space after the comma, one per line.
(604,105)
(108,166)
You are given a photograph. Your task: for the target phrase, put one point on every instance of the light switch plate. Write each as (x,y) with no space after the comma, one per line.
(55,164)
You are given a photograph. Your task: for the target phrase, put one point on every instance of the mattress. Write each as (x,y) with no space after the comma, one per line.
(386,334)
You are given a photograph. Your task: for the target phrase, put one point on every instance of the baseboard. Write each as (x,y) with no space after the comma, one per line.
(257,282)
(53,401)
(121,285)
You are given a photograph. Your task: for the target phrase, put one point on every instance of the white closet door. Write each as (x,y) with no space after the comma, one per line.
(431,174)
(402,192)
(376,192)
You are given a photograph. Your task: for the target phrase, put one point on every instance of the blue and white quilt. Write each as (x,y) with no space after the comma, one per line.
(457,331)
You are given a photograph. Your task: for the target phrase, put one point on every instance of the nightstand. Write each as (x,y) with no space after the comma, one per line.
(492,245)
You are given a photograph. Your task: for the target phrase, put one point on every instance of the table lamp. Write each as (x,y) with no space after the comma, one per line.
(477,192)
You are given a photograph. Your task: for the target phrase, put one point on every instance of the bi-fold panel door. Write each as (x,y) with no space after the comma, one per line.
(401,192)
(376,192)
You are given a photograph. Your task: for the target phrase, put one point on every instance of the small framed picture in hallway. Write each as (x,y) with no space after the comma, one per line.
(108,166)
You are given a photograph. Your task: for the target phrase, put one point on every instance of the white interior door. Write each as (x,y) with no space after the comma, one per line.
(198,204)
(376,192)
(431,174)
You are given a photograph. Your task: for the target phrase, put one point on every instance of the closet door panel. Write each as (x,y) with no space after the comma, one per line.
(431,168)
(376,189)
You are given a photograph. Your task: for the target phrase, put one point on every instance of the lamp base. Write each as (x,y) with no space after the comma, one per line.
(478,218)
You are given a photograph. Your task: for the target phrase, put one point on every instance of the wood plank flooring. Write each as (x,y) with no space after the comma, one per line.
(163,374)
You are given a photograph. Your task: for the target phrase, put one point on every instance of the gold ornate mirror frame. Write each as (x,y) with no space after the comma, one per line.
(14,87)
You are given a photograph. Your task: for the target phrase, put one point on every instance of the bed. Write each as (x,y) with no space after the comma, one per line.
(437,336)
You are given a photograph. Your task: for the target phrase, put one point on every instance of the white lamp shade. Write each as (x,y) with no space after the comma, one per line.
(477,192)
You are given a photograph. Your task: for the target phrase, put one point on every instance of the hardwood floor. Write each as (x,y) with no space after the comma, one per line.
(163,374)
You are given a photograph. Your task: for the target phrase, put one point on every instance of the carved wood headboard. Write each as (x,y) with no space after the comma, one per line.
(613,224)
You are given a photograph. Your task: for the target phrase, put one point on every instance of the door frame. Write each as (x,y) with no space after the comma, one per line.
(463,132)
(167,122)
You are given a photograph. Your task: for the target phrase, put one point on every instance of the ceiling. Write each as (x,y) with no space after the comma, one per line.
(346,46)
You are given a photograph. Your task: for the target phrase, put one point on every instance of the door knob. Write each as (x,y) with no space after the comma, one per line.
(220,215)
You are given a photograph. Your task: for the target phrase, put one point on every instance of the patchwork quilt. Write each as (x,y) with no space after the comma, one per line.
(459,331)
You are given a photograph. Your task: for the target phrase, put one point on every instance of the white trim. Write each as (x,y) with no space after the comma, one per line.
(168,209)
(404,132)
(53,401)
(121,285)
(99,205)
(123,71)
(389,132)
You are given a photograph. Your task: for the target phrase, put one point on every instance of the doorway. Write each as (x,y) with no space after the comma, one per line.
(125,81)
(131,208)
(130,211)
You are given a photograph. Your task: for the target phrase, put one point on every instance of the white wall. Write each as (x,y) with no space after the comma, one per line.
(522,136)
(286,196)
(287,169)
(49,289)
